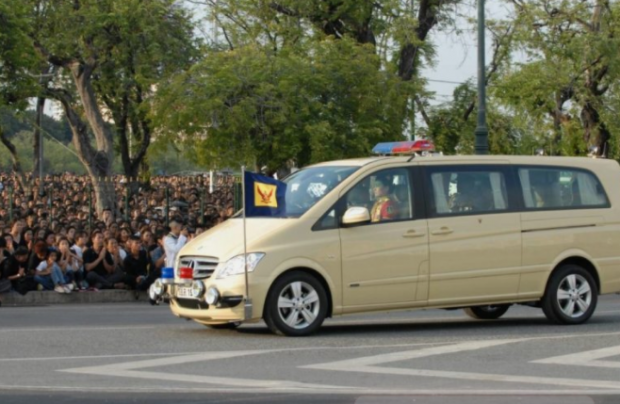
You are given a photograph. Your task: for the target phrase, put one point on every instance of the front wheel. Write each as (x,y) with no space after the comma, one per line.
(296,305)
(487,312)
(571,296)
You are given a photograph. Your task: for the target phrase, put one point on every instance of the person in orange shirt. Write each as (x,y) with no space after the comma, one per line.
(385,207)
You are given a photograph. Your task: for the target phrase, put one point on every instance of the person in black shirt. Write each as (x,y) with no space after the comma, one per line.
(39,253)
(101,272)
(14,269)
(140,274)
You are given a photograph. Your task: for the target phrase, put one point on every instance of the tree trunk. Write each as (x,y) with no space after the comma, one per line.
(95,161)
(105,194)
(22,179)
(37,155)
(596,132)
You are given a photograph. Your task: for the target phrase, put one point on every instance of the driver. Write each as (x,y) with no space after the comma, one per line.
(385,207)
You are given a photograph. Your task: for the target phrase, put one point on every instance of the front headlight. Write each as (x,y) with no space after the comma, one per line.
(235,265)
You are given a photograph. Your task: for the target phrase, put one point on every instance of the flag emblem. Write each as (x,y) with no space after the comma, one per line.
(265,195)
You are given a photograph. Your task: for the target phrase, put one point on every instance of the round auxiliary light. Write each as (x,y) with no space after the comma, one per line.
(167,275)
(212,296)
(198,288)
(158,287)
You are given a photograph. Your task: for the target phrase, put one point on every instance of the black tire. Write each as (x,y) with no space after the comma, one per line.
(487,312)
(273,314)
(555,304)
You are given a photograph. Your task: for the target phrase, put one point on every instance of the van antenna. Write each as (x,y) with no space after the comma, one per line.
(411,158)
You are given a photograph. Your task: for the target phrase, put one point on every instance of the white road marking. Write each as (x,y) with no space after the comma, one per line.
(369,365)
(407,355)
(588,358)
(129,370)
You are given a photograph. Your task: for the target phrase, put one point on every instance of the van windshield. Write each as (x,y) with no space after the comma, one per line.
(308,186)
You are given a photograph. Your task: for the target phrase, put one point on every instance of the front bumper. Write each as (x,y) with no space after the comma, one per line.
(230,307)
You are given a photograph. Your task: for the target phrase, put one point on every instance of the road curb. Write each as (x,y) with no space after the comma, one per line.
(83,297)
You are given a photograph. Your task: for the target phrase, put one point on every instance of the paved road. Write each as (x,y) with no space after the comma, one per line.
(120,353)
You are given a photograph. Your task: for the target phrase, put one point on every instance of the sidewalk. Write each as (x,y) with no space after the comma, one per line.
(48,297)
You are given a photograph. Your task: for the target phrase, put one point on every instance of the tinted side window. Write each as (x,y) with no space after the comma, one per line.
(463,190)
(560,188)
(386,194)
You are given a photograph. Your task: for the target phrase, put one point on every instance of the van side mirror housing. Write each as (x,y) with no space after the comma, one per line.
(355,216)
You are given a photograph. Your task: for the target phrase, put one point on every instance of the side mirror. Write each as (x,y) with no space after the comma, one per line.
(355,216)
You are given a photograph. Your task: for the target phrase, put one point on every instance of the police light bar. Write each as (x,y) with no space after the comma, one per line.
(410,147)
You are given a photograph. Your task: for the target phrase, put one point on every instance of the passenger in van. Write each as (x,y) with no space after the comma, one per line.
(474,195)
(385,207)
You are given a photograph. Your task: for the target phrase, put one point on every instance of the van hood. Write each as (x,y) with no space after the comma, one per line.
(225,240)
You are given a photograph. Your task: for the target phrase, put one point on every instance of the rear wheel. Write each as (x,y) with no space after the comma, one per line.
(296,305)
(487,312)
(571,296)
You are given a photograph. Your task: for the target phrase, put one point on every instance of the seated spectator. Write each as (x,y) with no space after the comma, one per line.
(118,254)
(158,255)
(101,270)
(27,238)
(50,240)
(10,246)
(5,281)
(70,264)
(39,254)
(14,268)
(140,273)
(51,277)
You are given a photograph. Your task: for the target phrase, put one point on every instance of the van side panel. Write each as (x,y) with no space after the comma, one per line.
(549,236)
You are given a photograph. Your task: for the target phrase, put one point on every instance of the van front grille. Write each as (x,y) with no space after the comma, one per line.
(203,266)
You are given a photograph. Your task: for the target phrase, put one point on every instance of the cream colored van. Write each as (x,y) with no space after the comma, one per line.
(394,233)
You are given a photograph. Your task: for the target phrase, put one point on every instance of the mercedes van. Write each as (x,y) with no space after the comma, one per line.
(394,233)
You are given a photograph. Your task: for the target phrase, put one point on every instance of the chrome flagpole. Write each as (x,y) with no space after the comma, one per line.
(248,301)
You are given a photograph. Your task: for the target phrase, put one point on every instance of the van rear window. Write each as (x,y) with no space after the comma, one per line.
(561,188)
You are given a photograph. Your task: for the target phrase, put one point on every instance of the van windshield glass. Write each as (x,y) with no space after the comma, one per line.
(308,186)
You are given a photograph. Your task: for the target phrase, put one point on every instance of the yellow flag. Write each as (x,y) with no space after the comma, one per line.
(265,195)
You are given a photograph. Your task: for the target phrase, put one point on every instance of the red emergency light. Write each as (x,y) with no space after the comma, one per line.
(409,147)
(186,273)
(413,147)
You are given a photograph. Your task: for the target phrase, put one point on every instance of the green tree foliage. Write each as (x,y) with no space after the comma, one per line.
(15,123)
(451,126)
(324,100)
(305,81)
(112,53)
(566,81)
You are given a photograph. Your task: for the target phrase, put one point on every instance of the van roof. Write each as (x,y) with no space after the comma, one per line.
(530,160)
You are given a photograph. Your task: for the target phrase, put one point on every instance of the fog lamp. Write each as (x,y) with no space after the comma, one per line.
(198,288)
(212,296)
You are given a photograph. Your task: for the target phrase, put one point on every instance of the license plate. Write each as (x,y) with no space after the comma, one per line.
(184,292)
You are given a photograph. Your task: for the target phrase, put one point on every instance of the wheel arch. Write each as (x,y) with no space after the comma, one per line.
(580,261)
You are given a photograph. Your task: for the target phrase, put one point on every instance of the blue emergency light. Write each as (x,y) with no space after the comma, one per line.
(167,273)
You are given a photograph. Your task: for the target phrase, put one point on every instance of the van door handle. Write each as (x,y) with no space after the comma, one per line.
(413,234)
(443,231)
